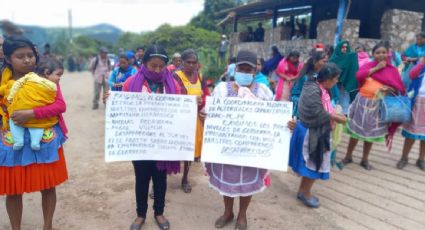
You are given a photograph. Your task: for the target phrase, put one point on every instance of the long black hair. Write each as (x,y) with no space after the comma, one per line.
(329,71)
(308,68)
(14,42)
(155,51)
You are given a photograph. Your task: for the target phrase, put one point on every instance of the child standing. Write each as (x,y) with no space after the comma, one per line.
(311,140)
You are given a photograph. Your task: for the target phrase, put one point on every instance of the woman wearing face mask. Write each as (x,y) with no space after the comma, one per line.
(153,77)
(233,181)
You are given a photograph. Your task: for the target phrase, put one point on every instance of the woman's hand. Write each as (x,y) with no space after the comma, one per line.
(199,100)
(338,118)
(291,124)
(105,97)
(118,85)
(202,114)
(20,117)
(387,89)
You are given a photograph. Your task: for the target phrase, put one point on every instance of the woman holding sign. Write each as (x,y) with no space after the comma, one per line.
(153,77)
(190,82)
(231,180)
(310,142)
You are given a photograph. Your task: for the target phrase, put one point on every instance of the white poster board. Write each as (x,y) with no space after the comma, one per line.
(142,126)
(247,133)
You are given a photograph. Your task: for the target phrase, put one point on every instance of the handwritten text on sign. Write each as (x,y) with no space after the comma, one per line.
(247,133)
(143,126)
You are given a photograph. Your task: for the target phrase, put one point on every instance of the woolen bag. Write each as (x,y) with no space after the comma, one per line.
(395,109)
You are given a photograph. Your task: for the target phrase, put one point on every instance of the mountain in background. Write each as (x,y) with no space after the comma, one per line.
(41,35)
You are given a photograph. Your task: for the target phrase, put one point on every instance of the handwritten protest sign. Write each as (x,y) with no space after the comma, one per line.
(247,133)
(150,127)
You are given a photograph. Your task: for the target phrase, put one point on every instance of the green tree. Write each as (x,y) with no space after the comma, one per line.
(209,17)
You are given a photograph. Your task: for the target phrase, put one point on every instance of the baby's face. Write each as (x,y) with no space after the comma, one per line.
(55,76)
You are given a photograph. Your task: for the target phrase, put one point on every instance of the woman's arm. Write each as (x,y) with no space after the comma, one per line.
(417,70)
(112,78)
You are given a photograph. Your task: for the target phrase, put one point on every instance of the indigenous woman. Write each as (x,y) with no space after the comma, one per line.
(313,65)
(190,82)
(26,170)
(374,78)
(287,70)
(153,77)
(347,85)
(121,73)
(415,129)
(238,181)
(311,141)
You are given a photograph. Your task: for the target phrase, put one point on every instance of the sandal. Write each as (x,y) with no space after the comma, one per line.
(164,225)
(135,226)
(402,163)
(366,165)
(187,188)
(346,161)
(312,202)
(221,221)
(421,164)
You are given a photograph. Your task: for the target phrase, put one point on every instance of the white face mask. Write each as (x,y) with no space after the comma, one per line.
(244,79)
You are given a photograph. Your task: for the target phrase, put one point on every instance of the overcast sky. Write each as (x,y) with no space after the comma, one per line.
(129,15)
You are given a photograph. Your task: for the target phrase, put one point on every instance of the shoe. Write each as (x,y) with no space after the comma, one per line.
(186,187)
(135,226)
(163,226)
(95,107)
(366,165)
(421,164)
(35,147)
(312,202)
(221,222)
(402,163)
(18,147)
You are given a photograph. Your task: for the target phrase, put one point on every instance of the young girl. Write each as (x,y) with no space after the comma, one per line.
(287,70)
(32,91)
(311,141)
(22,171)
(313,65)
(374,78)
(415,129)
(121,73)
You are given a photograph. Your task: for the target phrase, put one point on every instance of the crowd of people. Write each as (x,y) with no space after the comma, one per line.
(334,89)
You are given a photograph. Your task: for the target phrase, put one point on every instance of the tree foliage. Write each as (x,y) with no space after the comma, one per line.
(209,17)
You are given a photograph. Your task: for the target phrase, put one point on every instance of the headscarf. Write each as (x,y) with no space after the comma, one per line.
(313,116)
(289,69)
(163,77)
(349,65)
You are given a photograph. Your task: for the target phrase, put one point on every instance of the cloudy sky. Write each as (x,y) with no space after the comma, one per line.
(129,15)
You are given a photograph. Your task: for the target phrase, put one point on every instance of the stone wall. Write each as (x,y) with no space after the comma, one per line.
(326,30)
(400,27)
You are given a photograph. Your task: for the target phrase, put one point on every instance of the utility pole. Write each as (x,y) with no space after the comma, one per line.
(70,24)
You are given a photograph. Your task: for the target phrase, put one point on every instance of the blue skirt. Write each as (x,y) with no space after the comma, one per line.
(296,156)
